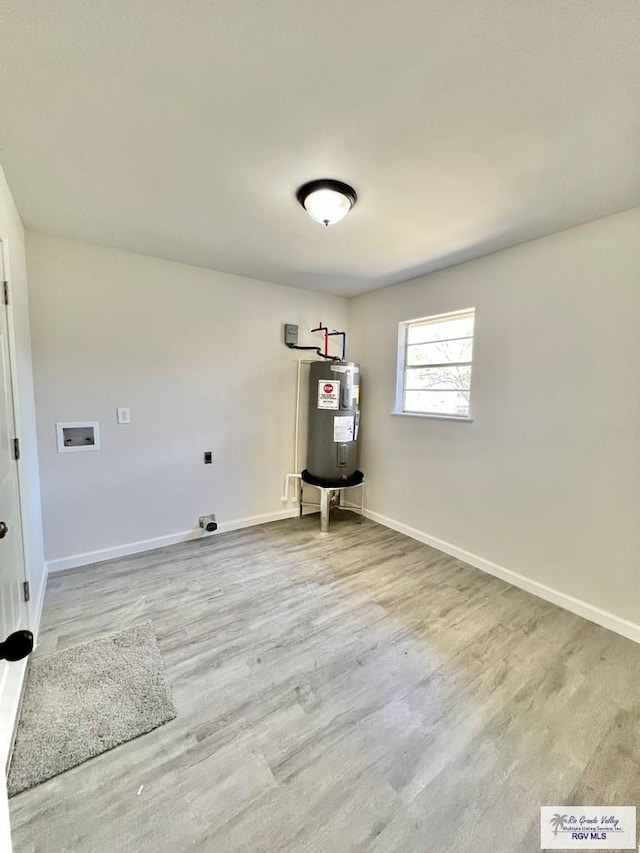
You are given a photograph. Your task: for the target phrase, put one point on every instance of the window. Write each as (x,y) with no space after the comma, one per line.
(434,365)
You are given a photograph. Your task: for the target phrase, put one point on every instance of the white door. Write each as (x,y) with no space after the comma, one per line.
(13,610)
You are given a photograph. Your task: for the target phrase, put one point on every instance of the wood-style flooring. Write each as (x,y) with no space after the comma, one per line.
(356,691)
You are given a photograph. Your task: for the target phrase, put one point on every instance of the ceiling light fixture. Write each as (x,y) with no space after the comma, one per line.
(327,201)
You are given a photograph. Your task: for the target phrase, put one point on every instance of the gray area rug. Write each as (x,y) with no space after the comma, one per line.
(87,699)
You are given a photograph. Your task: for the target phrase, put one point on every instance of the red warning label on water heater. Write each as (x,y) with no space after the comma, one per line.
(328,394)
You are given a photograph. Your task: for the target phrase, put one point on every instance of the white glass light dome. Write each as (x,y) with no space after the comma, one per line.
(327,201)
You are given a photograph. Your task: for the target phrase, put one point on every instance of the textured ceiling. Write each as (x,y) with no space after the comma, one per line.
(182,128)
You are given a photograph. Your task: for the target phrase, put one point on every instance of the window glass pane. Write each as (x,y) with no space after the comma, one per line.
(440,330)
(453,378)
(440,352)
(454,403)
(436,365)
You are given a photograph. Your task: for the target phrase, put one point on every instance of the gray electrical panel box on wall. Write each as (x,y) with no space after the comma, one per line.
(290,334)
(334,422)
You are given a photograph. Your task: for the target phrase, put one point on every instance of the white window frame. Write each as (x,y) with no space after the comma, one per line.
(403,328)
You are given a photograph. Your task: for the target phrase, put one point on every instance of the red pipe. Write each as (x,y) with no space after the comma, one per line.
(324,329)
(328,334)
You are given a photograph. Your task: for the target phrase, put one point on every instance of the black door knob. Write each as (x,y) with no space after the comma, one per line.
(17,646)
(4,529)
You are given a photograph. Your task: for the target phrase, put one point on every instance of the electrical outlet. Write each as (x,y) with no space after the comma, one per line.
(124,416)
(208,458)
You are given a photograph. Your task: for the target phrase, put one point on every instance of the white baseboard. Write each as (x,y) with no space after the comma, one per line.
(11,698)
(628,629)
(252,520)
(75,560)
(608,620)
(37,612)
(5,826)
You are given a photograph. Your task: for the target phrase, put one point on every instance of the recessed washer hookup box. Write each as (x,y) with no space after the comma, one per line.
(77,435)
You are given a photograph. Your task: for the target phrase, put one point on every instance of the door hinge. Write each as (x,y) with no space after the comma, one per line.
(5,292)
(16,448)
(26,591)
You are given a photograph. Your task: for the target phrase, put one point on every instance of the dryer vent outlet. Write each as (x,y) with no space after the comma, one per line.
(208,523)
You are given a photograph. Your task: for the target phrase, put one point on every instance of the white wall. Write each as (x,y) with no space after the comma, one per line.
(12,232)
(546,480)
(199,359)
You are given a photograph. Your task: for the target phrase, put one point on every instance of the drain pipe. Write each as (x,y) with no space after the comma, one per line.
(296,440)
(285,496)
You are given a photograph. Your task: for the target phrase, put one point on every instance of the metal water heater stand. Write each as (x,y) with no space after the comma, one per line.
(326,493)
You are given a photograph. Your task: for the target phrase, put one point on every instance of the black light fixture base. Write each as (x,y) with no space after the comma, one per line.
(310,187)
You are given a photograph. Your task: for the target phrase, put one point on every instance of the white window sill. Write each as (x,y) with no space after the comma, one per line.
(464,418)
